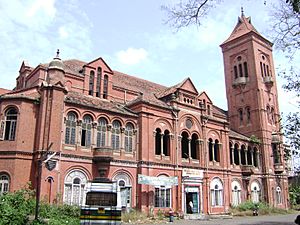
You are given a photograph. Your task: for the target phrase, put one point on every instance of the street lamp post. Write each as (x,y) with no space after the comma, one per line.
(43,159)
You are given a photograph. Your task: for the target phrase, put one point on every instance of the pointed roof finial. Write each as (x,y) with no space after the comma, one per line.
(57,53)
(242,12)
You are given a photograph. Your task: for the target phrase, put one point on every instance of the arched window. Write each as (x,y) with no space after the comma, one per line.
(124,182)
(248,112)
(166,143)
(128,137)
(243,155)
(216,192)
(70,135)
(278,195)
(98,84)
(184,145)
(241,116)
(91,83)
(235,72)
(210,149)
(236,155)
(246,69)
(216,156)
(194,147)
(9,125)
(101,132)
(272,116)
(255,157)
(236,193)
(115,135)
(4,184)
(158,141)
(86,131)
(255,192)
(163,196)
(276,153)
(249,156)
(105,86)
(241,70)
(74,187)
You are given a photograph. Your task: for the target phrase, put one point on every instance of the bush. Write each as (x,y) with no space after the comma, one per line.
(133,216)
(15,207)
(246,209)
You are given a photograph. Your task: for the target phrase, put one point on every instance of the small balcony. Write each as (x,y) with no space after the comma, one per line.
(247,170)
(278,168)
(103,154)
(268,80)
(240,81)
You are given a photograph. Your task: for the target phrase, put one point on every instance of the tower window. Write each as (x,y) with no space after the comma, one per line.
(248,115)
(246,69)
(240,70)
(235,72)
(241,116)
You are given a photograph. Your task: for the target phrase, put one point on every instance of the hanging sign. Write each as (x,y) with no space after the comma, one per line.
(157,181)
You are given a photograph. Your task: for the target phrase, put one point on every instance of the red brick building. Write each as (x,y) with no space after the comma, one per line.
(195,156)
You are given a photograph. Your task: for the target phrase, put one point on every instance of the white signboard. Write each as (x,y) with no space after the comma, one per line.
(157,181)
(192,173)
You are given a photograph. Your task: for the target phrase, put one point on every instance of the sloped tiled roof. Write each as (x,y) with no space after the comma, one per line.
(234,134)
(243,27)
(97,103)
(3,91)
(147,89)
(170,90)
(219,111)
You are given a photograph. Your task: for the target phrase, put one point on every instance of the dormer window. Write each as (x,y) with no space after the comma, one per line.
(91,83)
(98,82)
(105,86)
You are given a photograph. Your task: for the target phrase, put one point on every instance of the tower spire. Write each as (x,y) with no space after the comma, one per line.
(242,12)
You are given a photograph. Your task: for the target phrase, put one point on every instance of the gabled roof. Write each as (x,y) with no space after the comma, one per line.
(186,84)
(203,94)
(243,27)
(107,68)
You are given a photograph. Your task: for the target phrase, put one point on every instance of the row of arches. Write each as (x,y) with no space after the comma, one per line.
(242,155)
(101,130)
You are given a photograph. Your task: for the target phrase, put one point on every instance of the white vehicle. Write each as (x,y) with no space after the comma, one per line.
(102,203)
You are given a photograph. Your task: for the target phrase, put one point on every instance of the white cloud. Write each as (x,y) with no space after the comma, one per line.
(132,56)
(63,33)
(47,6)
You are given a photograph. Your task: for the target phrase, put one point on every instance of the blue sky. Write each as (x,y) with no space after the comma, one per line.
(131,36)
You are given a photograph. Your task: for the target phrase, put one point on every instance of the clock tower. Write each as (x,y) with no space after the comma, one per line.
(253,100)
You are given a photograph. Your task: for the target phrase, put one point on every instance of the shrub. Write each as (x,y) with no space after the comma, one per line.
(15,207)
(133,216)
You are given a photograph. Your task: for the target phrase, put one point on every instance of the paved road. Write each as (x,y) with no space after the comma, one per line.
(255,220)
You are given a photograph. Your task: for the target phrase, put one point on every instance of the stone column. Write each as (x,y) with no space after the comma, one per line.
(240,161)
(122,138)
(246,156)
(213,151)
(109,126)
(161,144)
(232,155)
(94,134)
(79,132)
(252,157)
(189,148)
